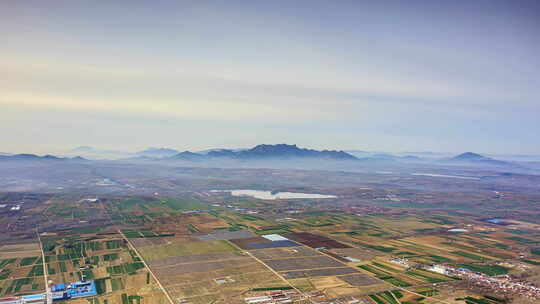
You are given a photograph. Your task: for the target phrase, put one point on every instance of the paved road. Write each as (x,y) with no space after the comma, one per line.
(47,288)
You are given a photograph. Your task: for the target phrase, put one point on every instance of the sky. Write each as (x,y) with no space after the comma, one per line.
(444,76)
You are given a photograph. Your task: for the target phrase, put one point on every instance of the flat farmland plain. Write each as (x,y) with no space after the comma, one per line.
(208,271)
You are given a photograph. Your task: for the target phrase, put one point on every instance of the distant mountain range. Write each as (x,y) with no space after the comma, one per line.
(217,150)
(95,153)
(32,157)
(158,152)
(267,152)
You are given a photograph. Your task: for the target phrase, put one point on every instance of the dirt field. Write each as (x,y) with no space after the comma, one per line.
(194,258)
(302,263)
(225,235)
(141,242)
(357,253)
(185,248)
(314,240)
(219,277)
(167,271)
(276,253)
(318,272)
(19,250)
(359,280)
(244,242)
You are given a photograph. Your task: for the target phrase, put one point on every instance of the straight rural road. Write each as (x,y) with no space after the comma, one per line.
(273,271)
(147,267)
(48,293)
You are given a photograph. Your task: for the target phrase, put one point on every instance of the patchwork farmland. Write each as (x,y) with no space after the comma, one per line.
(242,250)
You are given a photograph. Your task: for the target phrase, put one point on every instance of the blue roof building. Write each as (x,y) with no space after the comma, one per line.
(82,289)
(58,287)
(74,290)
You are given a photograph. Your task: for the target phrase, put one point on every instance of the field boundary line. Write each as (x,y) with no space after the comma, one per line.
(48,294)
(273,271)
(147,267)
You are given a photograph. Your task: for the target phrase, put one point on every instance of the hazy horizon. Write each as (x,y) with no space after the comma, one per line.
(350,75)
(111,153)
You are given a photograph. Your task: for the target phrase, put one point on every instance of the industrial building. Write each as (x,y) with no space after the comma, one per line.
(39,298)
(74,290)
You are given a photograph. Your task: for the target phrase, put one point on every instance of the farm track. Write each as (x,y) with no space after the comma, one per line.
(48,294)
(147,267)
(274,272)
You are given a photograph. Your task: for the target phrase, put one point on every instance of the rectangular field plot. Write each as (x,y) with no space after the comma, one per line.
(303,263)
(276,253)
(226,235)
(318,272)
(262,243)
(19,250)
(359,280)
(272,244)
(315,240)
(22,285)
(170,270)
(141,242)
(194,258)
(245,243)
(357,253)
(185,248)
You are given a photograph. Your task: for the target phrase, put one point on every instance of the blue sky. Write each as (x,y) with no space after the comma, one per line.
(373,75)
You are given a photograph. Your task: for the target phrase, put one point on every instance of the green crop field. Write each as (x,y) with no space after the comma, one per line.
(486,269)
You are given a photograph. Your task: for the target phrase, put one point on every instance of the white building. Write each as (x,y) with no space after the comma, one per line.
(438,269)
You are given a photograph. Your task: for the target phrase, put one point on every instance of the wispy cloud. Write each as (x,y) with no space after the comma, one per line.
(388,72)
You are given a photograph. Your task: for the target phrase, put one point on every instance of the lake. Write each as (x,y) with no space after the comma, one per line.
(444,175)
(268,195)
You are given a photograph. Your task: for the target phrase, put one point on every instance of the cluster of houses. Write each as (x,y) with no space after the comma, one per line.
(274,297)
(15,207)
(503,284)
(401,261)
(292,296)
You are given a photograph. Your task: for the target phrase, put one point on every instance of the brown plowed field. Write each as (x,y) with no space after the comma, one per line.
(315,240)
(303,263)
